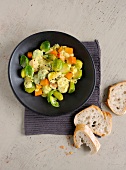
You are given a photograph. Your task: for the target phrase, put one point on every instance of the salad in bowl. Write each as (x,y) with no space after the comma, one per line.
(50,71)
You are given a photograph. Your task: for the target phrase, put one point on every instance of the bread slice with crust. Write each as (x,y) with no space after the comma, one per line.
(100,122)
(84,135)
(117,98)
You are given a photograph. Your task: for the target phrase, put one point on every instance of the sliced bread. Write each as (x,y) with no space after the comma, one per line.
(84,135)
(100,122)
(117,98)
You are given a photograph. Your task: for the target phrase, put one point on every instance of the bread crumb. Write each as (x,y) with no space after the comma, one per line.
(62,147)
(69,153)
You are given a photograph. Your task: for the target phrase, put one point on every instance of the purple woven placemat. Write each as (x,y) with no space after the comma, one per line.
(63,125)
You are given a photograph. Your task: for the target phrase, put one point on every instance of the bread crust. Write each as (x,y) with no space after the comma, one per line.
(107,117)
(109,98)
(88,132)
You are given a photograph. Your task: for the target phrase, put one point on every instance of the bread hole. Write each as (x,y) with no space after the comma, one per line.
(118,99)
(124,92)
(82,140)
(92,110)
(117,107)
(88,117)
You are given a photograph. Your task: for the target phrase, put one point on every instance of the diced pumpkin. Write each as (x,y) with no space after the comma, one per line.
(60,49)
(44,82)
(38,86)
(71,60)
(29,54)
(54,52)
(69,50)
(38,92)
(69,75)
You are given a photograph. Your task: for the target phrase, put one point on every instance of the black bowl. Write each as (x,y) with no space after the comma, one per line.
(71,102)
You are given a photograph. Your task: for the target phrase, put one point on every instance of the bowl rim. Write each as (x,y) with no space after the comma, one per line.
(94,72)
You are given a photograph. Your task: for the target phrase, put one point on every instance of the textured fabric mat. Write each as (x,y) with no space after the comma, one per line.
(35,124)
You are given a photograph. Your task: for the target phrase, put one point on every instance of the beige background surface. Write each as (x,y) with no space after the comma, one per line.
(104,20)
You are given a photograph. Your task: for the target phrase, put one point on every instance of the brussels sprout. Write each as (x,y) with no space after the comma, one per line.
(57,65)
(49,95)
(24,61)
(78,74)
(78,64)
(30,90)
(65,69)
(54,102)
(29,71)
(45,46)
(71,87)
(58,95)
(23,73)
(53,75)
(52,99)
(49,57)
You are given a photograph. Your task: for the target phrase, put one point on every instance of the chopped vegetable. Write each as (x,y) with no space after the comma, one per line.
(24,61)
(38,92)
(60,49)
(29,54)
(58,95)
(49,95)
(54,52)
(38,86)
(29,71)
(45,46)
(71,60)
(69,75)
(23,73)
(69,50)
(30,90)
(44,82)
(78,74)
(71,87)
(57,65)
(65,69)
(53,101)
(78,64)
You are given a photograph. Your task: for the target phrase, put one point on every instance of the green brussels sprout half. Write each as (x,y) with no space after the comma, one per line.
(65,69)
(78,74)
(78,64)
(57,65)
(24,61)
(30,90)
(29,71)
(45,46)
(53,101)
(71,87)
(58,95)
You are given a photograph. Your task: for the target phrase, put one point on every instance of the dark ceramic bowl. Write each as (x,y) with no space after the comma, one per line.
(71,102)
